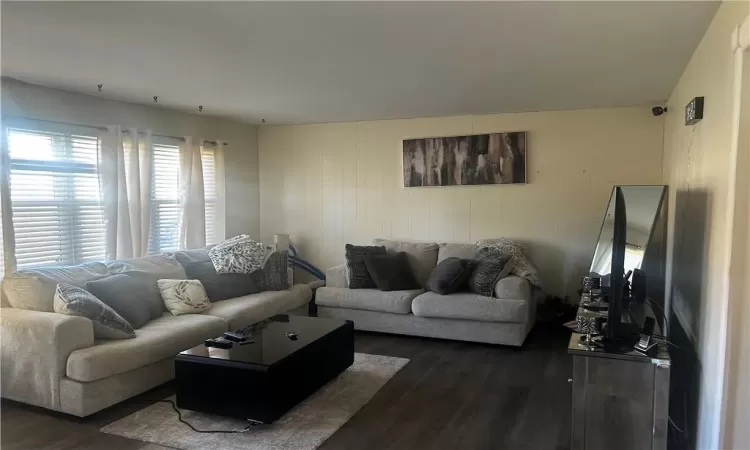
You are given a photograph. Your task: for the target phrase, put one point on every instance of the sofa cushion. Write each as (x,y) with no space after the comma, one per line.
(184,296)
(391,272)
(422,256)
(192,256)
(162,338)
(134,295)
(461,251)
(240,254)
(160,266)
(489,267)
(221,286)
(397,302)
(513,287)
(356,269)
(469,306)
(34,289)
(275,271)
(74,301)
(242,311)
(450,275)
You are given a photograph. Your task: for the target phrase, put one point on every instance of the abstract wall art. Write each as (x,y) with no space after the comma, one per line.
(496,158)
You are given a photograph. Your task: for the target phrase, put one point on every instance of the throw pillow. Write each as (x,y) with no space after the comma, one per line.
(184,296)
(133,295)
(275,271)
(356,269)
(391,272)
(450,275)
(241,254)
(222,286)
(490,267)
(75,301)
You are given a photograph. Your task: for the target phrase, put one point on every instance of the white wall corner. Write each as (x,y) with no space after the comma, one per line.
(740,39)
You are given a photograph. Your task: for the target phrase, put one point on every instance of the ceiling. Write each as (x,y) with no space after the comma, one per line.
(313,62)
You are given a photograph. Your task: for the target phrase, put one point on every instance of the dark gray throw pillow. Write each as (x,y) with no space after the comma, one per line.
(391,272)
(450,276)
(223,286)
(192,256)
(132,295)
(356,269)
(490,267)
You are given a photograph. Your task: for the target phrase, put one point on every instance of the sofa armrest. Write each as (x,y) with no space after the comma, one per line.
(336,277)
(513,287)
(35,350)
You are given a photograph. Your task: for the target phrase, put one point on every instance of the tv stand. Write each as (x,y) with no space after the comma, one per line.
(620,396)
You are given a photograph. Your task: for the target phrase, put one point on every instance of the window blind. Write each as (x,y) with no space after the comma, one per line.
(54,188)
(208,160)
(165,199)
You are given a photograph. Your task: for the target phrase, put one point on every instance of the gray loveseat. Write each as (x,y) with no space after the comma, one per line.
(53,360)
(506,318)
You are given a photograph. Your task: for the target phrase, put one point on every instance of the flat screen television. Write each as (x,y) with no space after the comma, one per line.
(614,329)
(630,259)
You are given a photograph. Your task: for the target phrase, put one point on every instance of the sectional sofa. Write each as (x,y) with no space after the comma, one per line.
(53,361)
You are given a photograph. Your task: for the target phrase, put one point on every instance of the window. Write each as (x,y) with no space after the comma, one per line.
(208,160)
(164,235)
(54,189)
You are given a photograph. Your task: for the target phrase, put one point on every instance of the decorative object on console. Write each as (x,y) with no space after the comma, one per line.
(391,272)
(184,296)
(75,301)
(694,111)
(491,265)
(496,158)
(359,277)
(240,254)
(450,275)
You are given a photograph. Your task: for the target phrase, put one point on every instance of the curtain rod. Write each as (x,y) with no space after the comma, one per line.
(179,138)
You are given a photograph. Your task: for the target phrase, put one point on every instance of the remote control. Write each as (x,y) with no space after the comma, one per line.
(235,336)
(218,343)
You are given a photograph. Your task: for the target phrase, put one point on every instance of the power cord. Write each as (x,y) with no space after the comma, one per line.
(252,424)
(179,417)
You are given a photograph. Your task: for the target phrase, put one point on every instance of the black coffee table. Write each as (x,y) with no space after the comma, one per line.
(263,380)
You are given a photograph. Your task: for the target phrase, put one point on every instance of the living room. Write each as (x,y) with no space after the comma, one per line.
(345,140)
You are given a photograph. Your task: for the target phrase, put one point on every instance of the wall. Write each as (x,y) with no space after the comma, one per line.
(241,155)
(697,164)
(331,184)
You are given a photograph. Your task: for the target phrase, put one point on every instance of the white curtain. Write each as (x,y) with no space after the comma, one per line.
(125,177)
(220,193)
(139,182)
(192,197)
(115,195)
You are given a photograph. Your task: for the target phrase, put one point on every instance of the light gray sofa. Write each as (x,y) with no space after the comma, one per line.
(53,361)
(506,318)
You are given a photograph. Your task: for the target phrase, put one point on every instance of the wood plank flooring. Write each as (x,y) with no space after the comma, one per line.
(451,395)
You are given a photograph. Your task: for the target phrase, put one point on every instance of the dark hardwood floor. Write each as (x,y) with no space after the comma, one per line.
(451,395)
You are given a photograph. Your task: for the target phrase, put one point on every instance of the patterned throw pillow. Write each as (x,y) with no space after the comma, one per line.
(491,266)
(75,301)
(275,271)
(240,254)
(183,296)
(359,277)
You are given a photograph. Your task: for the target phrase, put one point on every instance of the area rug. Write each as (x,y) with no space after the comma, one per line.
(305,427)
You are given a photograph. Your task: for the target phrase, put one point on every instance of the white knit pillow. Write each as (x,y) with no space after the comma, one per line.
(240,254)
(183,296)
